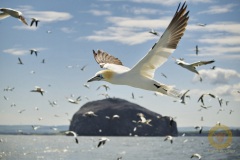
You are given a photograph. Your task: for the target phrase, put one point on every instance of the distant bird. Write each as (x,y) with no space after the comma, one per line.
(226,102)
(76,101)
(115,116)
(163,75)
(133,97)
(230,112)
(49,31)
(87,86)
(154,32)
(105,95)
(196,155)
(183,97)
(143,120)
(38,89)
(6,12)
(83,68)
(35,127)
(218,123)
(34,20)
(202,24)
(9,89)
(72,133)
(13,105)
(192,66)
(169,138)
(220,101)
(102,141)
(104,86)
(52,103)
(43,61)
(21,111)
(171,121)
(200,128)
(19,61)
(220,110)
(201,97)
(213,67)
(196,49)
(5,98)
(90,114)
(205,107)
(33,51)
(142,74)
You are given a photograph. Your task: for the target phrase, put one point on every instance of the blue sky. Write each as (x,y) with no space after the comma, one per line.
(121,29)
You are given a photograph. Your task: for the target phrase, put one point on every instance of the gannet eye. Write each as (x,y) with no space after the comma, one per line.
(100,76)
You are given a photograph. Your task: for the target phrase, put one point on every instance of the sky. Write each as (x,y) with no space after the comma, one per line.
(67,33)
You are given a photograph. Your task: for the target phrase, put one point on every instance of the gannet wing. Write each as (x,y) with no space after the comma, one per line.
(4,15)
(165,46)
(108,61)
(200,63)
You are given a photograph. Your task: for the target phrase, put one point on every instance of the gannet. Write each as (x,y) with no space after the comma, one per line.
(72,133)
(163,75)
(202,24)
(83,68)
(196,50)
(33,51)
(196,155)
(38,89)
(183,97)
(74,101)
(34,20)
(143,119)
(142,74)
(154,32)
(192,66)
(90,114)
(200,128)
(115,116)
(105,86)
(6,12)
(201,97)
(20,61)
(35,127)
(102,141)
(170,138)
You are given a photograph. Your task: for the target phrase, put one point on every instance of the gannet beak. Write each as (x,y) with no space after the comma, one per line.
(95,78)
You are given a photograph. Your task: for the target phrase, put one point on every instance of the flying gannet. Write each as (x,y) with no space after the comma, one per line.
(34,20)
(20,61)
(6,12)
(38,89)
(102,141)
(196,155)
(72,133)
(33,51)
(142,74)
(154,32)
(170,138)
(192,66)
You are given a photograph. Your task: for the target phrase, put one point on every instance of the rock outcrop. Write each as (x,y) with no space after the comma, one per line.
(127,124)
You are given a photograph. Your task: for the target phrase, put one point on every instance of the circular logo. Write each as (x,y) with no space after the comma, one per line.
(220,136)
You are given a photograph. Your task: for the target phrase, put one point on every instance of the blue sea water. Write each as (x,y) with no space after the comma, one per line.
(32,147)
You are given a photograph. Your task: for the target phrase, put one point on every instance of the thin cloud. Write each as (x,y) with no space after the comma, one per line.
(221,40)
(170,2)
(67,30)
(129,31)
(100,13)
(16,51)
(218,76)
(218,9)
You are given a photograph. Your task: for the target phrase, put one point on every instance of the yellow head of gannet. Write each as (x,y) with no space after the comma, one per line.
(142,74)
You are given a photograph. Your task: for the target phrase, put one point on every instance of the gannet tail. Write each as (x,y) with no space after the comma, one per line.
(173,92)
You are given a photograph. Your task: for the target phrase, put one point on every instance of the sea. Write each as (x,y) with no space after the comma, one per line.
(61,147)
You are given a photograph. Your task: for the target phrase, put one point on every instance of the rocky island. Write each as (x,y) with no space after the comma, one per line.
(118,117)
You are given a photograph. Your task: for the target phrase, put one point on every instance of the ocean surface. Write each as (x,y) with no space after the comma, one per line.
(59,147)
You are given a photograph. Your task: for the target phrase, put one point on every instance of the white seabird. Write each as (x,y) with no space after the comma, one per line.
(143,119)
(142,74)
(38,89)
(192,66)
(170,138)
(105,86)
(33,51)
(6,12)
(102,141)
(196,155)
(90,114)
(72,133)
(154,32)
(74,101)
(34,20)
